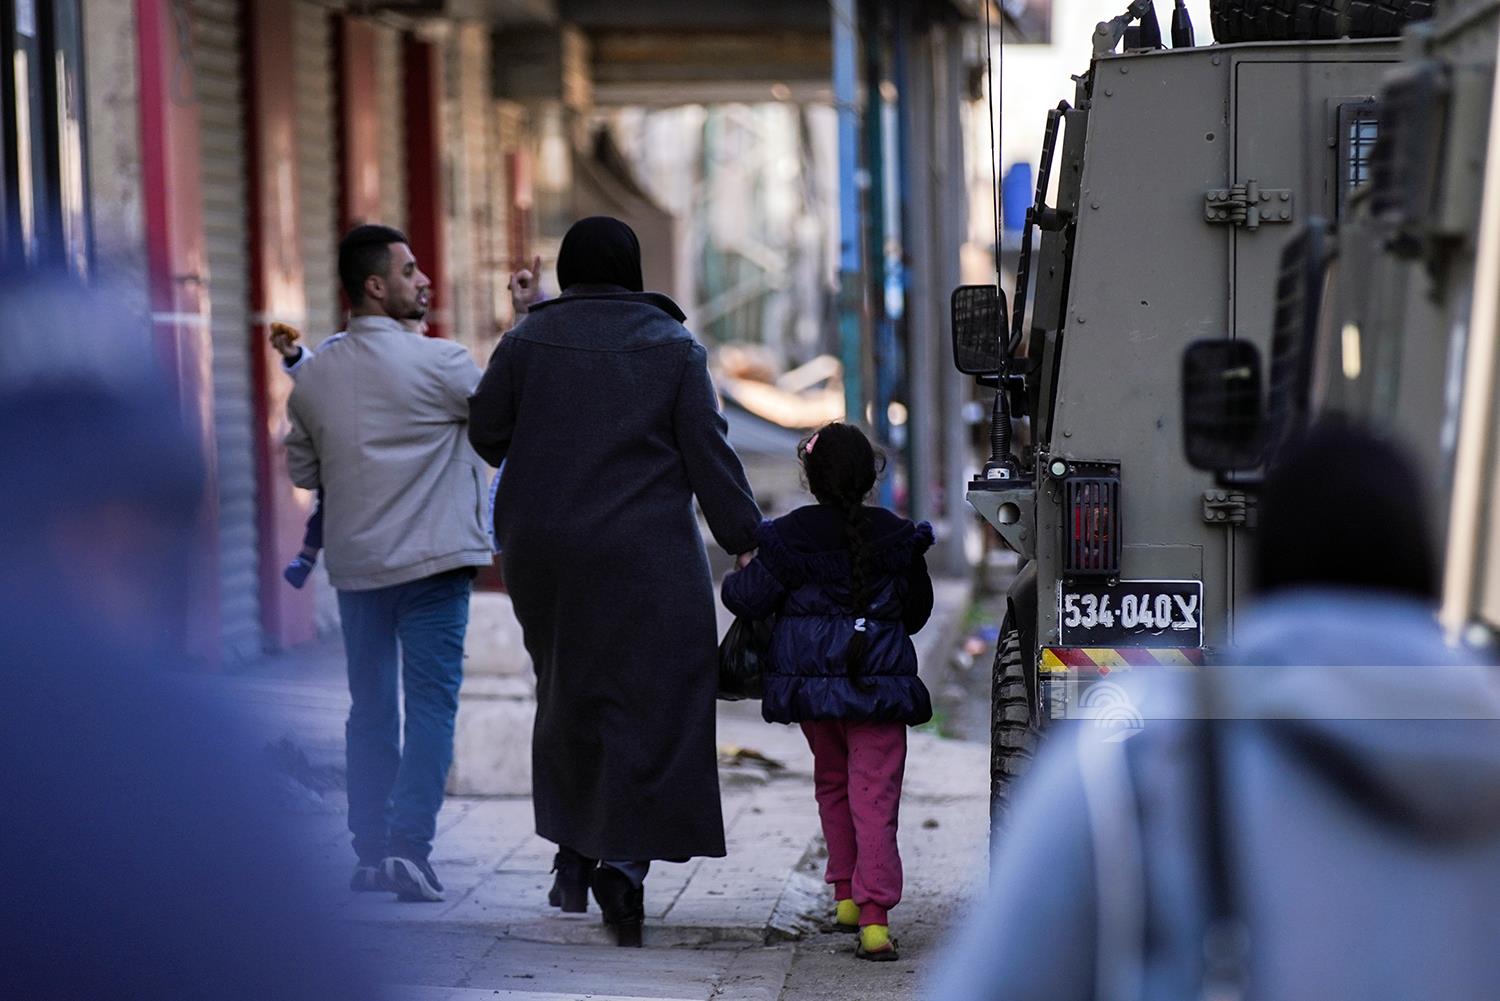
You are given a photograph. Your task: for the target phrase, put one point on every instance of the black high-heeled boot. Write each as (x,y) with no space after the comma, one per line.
(623,904)
(570,890)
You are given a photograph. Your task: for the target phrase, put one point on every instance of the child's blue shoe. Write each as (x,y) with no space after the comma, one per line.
(297,571)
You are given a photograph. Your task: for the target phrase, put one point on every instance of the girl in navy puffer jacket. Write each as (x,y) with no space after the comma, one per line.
(848,585)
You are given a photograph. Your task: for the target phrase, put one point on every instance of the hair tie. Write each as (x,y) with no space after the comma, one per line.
(810,443)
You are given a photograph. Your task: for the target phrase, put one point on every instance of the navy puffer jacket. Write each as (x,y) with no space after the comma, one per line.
(802,575)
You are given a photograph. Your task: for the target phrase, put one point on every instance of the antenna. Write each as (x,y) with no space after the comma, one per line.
(989,77)
(1001,465)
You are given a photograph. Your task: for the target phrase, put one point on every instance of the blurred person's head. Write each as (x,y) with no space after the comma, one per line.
(1343,507)
(380,275)
(600,250)
(103,483)
(129,795)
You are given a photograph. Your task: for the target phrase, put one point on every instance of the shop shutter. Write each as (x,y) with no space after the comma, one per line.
(317,168)
(391,94)
(217,63)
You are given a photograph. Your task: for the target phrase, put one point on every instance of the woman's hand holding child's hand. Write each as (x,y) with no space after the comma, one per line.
(743,560)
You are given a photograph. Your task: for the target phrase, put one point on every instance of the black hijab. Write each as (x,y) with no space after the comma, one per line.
(600,250)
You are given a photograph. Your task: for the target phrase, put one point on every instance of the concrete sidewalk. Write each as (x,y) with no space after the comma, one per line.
(768,890)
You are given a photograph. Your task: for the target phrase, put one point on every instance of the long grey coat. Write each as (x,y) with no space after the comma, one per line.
(601,407)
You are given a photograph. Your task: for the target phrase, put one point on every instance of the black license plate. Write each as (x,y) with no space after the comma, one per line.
(1150,613)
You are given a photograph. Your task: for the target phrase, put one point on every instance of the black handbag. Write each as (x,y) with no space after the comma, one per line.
(743,654)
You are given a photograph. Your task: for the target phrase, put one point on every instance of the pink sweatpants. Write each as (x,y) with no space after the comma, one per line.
(857,772)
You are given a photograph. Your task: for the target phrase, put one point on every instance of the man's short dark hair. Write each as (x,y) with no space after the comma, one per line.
(365,251)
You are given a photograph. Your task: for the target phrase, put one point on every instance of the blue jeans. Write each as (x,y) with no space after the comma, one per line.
(396,788)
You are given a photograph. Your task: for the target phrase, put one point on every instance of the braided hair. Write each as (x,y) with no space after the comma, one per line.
(841,467)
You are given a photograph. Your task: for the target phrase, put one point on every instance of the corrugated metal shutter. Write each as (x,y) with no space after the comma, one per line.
(391,93)
(318,193)
(468,119)
(317,171)
(216,60)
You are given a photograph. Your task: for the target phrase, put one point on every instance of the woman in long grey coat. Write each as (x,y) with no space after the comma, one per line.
(599,402)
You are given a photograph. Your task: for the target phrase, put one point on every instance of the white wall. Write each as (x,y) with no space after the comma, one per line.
(1036,77)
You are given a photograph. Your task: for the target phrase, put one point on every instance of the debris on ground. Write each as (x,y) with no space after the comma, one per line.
(735,756)
(291,760)
(976,646)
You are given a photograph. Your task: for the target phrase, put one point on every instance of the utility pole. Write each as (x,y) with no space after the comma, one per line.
(882,223)
(851,284)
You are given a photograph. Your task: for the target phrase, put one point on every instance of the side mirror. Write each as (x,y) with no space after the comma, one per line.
(1222,428)
(980,329)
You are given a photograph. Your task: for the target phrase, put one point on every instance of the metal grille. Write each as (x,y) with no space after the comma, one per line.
(1408,157)
(1358,129)
(1092,527)
(1299,295)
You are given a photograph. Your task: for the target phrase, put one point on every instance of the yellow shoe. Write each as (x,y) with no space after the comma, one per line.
(875,943)
(846,915)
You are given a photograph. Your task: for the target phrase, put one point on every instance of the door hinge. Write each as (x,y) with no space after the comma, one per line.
(1229,507)
(1247,204)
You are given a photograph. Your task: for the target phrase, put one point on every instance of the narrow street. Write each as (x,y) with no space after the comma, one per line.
(749,926)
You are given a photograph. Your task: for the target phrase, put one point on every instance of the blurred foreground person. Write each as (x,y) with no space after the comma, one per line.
(142,840)
(1333,833)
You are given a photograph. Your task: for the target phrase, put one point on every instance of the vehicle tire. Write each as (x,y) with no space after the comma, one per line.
(1288,20)
(1013,727)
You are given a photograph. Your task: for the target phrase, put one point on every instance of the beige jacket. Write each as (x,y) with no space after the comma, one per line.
(379,421)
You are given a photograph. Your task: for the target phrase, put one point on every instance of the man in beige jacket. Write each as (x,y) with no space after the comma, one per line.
(379,421)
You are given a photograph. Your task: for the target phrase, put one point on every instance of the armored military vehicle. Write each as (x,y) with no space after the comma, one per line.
(1390,315)
(1181,176)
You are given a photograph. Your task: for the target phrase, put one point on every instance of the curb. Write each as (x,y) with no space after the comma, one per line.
(562,931)
(800,909)
(936,642)
(756,975)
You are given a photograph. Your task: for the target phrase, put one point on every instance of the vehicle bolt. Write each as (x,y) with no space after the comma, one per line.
(1285,215)
(1124,70)
(1081,321)
(1265,196)
(1067,433)
(1108,92)
(1220,195)
(1286,196)
(1215,60)
(1093,205)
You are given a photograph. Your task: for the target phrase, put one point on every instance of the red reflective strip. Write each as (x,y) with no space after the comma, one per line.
(1137,656)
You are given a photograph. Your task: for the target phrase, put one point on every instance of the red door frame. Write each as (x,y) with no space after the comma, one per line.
(423,72)
(276,293)
(177,269)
